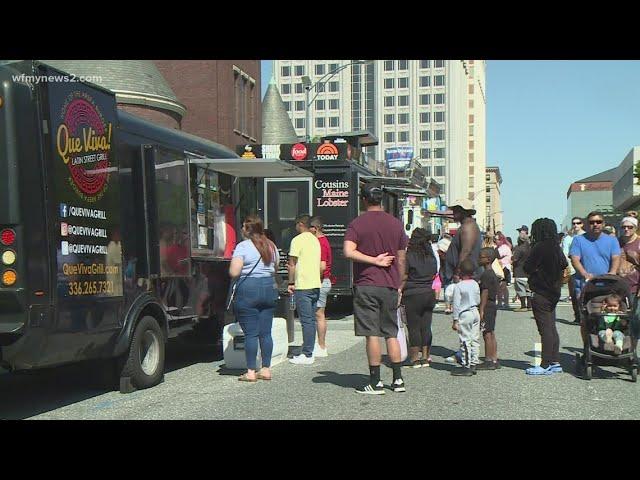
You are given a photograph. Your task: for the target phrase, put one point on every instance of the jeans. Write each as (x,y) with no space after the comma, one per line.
(544,311)
(255,303)
(306,304)
(575,291)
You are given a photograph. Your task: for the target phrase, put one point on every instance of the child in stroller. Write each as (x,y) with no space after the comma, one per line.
(605,308)
(610,324)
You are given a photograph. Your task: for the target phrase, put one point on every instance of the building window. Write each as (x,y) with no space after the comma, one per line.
(388,65)
(425,117)
(389,137)
(287,106)
(438,81)
(425,135)
(389,83)
(438,135)
(245,121)
(438,99)
(487,177)
(389,119)
(320,69)
(333,104)
(425,99)
(438,117)
(319,104)
(403,64)
(333,86)
(299,122)
(403,119)
(471,170)
(471,118)
(425,81)
(299,88)
(471,89)
(299,70)
(425,63)
(334,122)
(403,82)
(470,103)
(439,170)
(470,144)
(438,152)
(286,88)
(333,67)
(403,100)
(426,170)
(426,153)
(403,136)
(487,189)
(471,157)
(285,71)
(471,130)
(320,122)
(299,106)
(438,63)
(389,101)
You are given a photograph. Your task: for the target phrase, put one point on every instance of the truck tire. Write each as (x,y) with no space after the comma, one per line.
(145,362)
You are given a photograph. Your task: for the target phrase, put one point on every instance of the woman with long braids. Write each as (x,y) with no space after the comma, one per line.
(253,266)
(544,267)
(418,296)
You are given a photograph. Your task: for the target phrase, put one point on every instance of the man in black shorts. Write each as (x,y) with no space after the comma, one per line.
(375,242)
(489,283)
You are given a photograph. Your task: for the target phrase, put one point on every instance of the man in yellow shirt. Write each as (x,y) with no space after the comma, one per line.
(304,284)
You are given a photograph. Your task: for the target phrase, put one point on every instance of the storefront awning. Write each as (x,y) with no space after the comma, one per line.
(255,167)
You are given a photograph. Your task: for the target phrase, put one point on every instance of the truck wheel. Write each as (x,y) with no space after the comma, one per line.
(145,362)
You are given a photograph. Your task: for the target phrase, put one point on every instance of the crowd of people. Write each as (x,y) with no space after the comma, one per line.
(390,271)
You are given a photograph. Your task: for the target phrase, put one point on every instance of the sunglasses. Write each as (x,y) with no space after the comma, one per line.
(628,227)
(595,222)
(577,223)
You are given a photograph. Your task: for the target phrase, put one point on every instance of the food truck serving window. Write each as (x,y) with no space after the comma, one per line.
(211,212)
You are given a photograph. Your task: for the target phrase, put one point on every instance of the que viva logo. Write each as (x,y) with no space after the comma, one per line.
(83,141)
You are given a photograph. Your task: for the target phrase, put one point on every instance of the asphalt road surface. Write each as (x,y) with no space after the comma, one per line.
(197,386)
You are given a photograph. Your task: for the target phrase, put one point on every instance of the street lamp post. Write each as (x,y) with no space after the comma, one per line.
(308,86)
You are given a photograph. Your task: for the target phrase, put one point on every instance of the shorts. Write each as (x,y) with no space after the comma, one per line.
(324,293)
(522,287)
(375,311)
(490,312)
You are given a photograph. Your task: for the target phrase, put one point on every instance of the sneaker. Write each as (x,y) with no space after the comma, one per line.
(320,352)
(369,389)
(398,385)
(456,358)
(487,365)
(425,362)
(301,359)
(462,372)
(554,368)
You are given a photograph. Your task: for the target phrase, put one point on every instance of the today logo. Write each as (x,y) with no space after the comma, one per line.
(327,151)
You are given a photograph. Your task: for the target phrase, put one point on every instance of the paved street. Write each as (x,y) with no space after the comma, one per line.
(197,386)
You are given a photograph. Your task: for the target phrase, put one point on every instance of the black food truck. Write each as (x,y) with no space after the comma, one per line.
(332,193)
(115,233)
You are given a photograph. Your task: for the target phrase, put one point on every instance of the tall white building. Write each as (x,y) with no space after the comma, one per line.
(435,106)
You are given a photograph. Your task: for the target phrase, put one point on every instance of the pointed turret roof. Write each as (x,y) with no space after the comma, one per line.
(276,124)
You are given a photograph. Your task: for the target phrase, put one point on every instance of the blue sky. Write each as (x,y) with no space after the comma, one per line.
(550,123)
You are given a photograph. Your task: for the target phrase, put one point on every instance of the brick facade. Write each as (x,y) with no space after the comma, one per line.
(206,88)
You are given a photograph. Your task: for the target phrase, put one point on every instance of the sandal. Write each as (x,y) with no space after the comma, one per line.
(244,378)
(259,376)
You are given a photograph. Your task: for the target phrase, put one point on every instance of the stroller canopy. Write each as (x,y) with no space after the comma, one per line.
(605,285)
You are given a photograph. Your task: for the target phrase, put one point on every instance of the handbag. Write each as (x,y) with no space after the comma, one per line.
(231,299)
(402,334)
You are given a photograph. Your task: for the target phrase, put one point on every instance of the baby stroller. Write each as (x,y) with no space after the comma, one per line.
(593,295)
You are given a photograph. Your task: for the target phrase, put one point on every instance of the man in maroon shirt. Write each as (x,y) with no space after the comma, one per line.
(375,242)
(326,258)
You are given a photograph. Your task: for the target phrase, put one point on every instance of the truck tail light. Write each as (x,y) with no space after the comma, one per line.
(9,278)
(7,237)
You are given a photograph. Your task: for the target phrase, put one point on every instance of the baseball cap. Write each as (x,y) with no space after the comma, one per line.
(372,191)
(523,227)
(465,204)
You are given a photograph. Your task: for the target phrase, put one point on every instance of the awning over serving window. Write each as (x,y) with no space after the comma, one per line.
(256,167)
